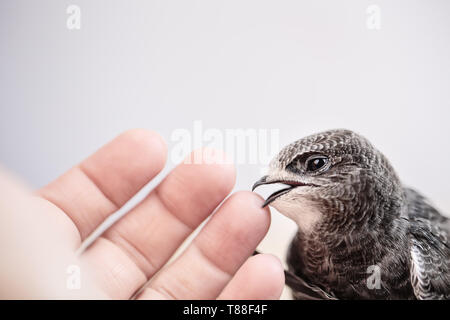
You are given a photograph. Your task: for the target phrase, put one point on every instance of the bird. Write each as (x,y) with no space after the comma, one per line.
(361,233)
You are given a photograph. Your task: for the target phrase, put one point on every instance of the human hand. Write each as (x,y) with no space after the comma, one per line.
(41,232)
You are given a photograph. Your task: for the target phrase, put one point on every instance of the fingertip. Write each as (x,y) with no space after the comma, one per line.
(272,269)
(260,202)
(260,278)
(147,141)
(250,201)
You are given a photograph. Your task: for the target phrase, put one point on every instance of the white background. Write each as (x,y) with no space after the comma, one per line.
(297,66)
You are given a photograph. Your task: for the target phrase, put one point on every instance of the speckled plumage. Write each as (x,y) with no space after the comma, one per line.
(366,217)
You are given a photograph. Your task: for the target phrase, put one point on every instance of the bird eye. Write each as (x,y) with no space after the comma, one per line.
(316,163)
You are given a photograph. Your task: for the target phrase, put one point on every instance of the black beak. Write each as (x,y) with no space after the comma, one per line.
(266,180)
(260,182)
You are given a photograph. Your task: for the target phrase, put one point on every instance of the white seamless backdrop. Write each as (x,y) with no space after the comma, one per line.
(296,66)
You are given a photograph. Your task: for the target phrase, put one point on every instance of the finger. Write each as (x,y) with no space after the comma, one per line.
(102,183)
(260,278)
(150,234)
(221,247)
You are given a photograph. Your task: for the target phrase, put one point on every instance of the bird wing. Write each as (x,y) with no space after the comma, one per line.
(430,263)
(301,290)
(429,248)
(419,207)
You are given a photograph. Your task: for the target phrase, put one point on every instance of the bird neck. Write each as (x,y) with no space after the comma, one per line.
(375,202)
(358,234)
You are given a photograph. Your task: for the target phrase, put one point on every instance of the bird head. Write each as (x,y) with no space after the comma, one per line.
(335,176)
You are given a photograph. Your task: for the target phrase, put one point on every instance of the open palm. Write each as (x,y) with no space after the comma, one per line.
(41,232)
